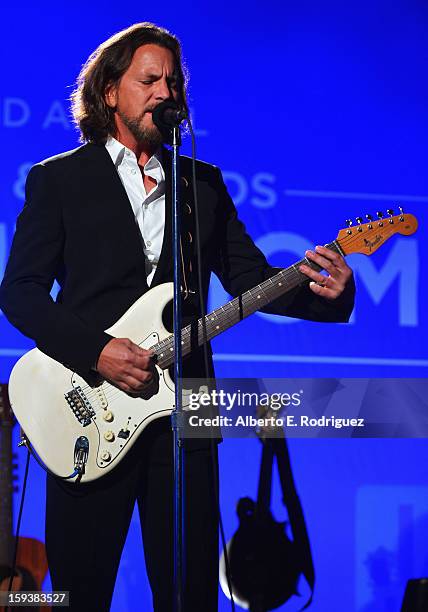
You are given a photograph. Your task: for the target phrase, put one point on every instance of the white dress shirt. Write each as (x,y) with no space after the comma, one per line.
(149,208)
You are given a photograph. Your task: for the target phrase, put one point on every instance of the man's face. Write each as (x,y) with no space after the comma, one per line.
(150,79)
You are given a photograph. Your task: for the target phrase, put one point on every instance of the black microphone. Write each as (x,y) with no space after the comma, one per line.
(168,114)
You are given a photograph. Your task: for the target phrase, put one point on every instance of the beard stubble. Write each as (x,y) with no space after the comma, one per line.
(149,136)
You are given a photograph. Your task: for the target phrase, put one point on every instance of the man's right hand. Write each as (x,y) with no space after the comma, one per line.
(126,365)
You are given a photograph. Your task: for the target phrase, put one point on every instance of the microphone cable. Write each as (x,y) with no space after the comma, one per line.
(205,349)
(18,526)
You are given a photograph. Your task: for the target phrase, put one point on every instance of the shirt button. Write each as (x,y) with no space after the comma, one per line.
(128,153)
(149,244)
(133,171)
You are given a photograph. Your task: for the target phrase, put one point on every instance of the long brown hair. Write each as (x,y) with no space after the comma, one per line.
(106,66)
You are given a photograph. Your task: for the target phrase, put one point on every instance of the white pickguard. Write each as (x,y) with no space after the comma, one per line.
(38,386)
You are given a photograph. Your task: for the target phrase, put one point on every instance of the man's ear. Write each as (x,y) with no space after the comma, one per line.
(110,95)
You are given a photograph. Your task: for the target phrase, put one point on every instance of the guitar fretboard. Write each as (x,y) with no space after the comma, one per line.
(236,310)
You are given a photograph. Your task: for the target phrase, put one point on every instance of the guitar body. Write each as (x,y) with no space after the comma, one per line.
(39,385)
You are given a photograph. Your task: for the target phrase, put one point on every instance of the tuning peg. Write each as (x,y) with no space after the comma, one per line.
(400,208)
(379,214)
(359,221)
(390,213)
(349,223)
(369,217)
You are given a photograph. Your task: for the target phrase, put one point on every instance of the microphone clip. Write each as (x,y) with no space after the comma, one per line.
(167,117)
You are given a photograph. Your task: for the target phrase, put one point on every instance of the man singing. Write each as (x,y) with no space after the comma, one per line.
(98,220)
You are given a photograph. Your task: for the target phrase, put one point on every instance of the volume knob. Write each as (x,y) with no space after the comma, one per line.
(108,416)
(105,456)
(109,436)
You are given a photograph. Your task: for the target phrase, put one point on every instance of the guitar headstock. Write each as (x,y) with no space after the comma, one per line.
(368,237)
(6,416)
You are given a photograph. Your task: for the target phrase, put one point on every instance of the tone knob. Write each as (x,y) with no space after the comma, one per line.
(108,416)
(105,456)
(109,436)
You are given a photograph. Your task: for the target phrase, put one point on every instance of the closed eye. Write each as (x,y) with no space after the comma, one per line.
(172,82)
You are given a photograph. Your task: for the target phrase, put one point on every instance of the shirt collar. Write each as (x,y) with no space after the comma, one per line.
(117,152)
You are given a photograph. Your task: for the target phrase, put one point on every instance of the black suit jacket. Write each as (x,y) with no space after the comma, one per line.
(77,226)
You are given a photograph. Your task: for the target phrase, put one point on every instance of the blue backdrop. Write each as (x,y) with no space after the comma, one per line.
(316,112)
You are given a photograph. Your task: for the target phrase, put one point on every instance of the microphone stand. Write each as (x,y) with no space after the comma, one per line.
(167,118)
(176,416)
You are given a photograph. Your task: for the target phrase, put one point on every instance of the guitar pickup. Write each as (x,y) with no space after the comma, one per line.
(123,433)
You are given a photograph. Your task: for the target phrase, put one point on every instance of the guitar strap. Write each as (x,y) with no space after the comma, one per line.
(295,513)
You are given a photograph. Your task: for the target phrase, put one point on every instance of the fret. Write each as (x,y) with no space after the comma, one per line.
(263,296)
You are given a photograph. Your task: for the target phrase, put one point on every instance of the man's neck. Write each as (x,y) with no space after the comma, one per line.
(142,151)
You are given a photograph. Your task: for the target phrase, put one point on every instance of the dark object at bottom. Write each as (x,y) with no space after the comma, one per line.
(264,562)
(23,580)
(416,596)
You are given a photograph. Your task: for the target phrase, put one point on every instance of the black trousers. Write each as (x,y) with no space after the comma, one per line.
(87,524)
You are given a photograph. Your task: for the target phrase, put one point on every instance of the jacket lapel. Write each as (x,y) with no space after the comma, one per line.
(107,183)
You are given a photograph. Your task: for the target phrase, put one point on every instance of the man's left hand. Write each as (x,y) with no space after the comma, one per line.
(339,273)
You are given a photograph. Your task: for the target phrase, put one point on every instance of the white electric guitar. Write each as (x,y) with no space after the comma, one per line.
(83,432)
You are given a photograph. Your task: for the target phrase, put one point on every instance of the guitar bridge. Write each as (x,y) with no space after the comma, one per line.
(80,406)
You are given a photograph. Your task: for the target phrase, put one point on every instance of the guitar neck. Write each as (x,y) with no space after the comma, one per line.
(236,310)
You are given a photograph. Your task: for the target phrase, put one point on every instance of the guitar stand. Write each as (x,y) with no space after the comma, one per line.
(277,447)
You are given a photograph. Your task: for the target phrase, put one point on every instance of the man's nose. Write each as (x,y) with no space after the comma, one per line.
(163,91)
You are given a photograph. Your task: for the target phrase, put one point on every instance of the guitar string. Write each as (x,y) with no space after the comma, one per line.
(111,391)
(226,320)
(287,274)
(164,344)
